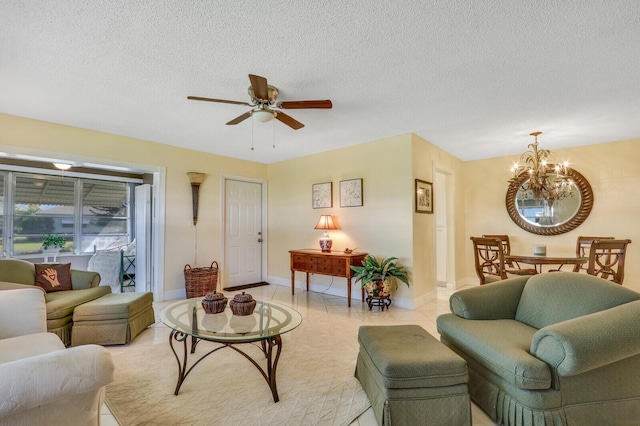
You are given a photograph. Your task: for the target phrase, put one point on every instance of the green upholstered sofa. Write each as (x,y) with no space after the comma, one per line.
(556,348)
(16,273)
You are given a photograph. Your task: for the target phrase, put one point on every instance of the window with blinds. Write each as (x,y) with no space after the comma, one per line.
(91,214)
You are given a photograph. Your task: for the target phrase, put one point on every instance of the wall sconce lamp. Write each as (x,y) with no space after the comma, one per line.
(326,222)
(196,180)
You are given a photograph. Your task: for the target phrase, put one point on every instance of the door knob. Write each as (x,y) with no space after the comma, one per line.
(259,240)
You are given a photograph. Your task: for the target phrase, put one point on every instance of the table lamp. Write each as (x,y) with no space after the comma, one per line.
(326,222)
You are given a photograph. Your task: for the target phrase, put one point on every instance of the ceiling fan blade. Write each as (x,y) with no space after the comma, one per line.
(305,104)
(224,101)
(240,119)
(260,87)
(289,121)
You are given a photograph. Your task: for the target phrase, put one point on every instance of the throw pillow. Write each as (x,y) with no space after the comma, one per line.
(53,277)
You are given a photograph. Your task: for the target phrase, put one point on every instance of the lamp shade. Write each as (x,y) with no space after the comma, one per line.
(326,222)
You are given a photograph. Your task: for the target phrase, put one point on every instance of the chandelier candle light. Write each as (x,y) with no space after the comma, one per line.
(326,223)
(546,180)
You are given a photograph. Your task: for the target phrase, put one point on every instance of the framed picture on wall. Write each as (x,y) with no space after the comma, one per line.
(351,193)
(322,195)
(424,196)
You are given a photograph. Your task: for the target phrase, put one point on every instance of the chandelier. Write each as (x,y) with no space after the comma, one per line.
(541,177)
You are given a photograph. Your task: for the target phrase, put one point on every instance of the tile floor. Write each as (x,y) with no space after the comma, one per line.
(336,311)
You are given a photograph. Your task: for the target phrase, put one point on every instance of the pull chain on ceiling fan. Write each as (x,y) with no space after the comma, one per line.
(265,106)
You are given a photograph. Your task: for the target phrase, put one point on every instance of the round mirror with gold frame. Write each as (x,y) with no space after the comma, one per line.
(549,217)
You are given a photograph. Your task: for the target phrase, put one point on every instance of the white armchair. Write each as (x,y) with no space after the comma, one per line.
(42,382)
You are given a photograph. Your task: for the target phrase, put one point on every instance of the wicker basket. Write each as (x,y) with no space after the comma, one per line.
(200,281)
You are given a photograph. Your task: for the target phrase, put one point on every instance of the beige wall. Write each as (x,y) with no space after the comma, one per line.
(612,169)
(386,225)
(19,135)
(382,226)
(426,157)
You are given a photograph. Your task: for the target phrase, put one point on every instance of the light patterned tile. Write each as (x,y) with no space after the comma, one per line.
(323,314)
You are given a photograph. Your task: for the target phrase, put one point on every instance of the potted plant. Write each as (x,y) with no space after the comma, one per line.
(376,277)
(52,242)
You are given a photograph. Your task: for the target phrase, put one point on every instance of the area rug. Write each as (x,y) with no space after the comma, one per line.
(314,377)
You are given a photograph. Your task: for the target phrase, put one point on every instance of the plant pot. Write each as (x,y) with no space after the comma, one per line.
(51,252)
(377,289)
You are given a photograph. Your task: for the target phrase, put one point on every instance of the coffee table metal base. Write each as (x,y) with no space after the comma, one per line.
(267,345)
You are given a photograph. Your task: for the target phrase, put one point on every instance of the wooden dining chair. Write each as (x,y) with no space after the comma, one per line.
(510,267)
(606,259)
(583,245)
(489,259)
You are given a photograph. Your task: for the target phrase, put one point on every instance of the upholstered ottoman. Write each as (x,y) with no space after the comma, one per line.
(115,318)
(411,378)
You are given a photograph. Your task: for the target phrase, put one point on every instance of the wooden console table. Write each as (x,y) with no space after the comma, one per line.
(335,263)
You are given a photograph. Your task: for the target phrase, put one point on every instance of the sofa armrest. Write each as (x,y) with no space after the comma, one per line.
(81,280)
(497,300)
(42,379)
(4,285)
(581,344)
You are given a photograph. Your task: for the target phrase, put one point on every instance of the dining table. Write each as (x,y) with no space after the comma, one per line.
(538,261)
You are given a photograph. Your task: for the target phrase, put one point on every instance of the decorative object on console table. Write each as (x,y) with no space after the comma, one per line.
(424,196)
(322,195)
(326,222)
(196,180)
(351,193)
(376,278)
(336,264)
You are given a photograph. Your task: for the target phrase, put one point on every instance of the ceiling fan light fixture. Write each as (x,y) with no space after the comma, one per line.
(263,115)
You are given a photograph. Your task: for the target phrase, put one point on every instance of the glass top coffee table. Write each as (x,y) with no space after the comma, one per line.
(269,321)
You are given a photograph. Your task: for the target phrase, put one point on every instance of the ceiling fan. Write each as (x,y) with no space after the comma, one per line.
(265,106)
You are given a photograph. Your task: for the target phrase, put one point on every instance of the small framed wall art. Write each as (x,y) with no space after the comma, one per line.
(351,193)
(322,195)
(424,196)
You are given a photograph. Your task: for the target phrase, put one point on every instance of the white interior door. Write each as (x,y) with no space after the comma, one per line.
(444,227)
(243,232)
(441,228)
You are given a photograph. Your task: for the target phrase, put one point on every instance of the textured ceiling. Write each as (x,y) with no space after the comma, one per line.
(474,78)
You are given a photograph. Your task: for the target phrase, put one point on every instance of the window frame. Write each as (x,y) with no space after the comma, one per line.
(10,172)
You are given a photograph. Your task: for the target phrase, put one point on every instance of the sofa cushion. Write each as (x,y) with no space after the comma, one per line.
(53,277)
(62,303)
(547,298)
(407,356)
(113,306)
(502,346)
